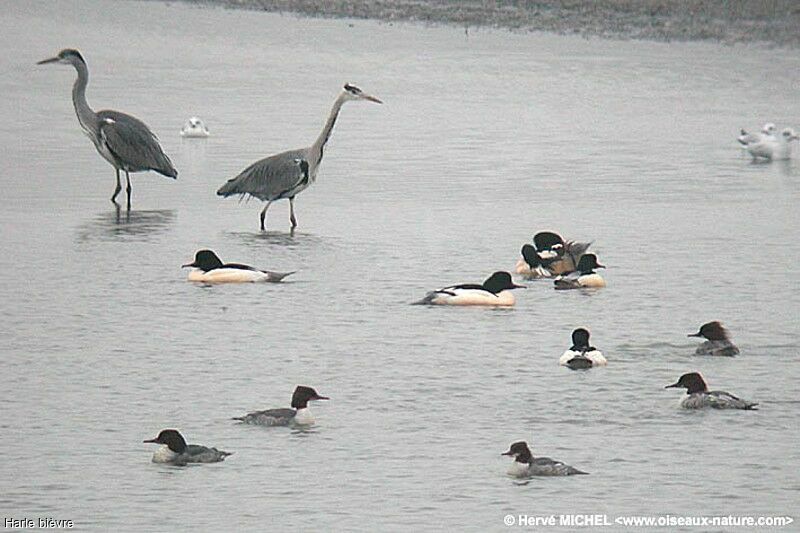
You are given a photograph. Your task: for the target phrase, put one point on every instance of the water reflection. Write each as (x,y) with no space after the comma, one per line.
(124,225)
(281,238)
(194,160)
(786,167)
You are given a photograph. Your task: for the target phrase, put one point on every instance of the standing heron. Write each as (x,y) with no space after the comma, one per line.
(124,141)
(286,174)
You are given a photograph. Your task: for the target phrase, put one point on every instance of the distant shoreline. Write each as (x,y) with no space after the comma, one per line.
(768,22)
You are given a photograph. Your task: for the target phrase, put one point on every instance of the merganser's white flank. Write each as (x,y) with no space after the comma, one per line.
(194,129)
(279,177)
(717,342)
(526,465)
(581,355)
(584,278)
(208,268)
(495,291)
(699,397)
(299,414)
(174,450)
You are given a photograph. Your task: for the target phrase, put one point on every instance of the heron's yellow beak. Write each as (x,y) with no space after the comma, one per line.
(371,98)
(51,60)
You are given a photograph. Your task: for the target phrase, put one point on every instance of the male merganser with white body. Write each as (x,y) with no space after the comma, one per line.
(771,148)
(495,291)
(208,268)
(299,414)
(700,397)
(585,277)
(174,450)
(194,129)
(745,138)
(581,354)
(551,256)
(718,342)
(526,465)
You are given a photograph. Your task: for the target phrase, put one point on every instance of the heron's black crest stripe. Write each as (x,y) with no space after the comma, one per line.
(351,88)
(72,52)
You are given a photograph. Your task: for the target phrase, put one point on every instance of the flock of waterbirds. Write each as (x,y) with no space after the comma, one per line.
(129,146)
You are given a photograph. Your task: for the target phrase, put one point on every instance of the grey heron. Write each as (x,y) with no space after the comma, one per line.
(284,175)
(124,141)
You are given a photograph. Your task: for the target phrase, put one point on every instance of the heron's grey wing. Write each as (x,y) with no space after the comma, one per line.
(133,144)
(271,178)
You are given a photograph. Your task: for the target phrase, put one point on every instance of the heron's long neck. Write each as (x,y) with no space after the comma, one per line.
(319,145)
(86,116)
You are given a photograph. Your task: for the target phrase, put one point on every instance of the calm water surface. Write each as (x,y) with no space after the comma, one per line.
(482,141)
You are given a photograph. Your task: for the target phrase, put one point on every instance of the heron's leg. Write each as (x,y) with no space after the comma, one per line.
(116,191)
(291,212)
(128,188)
(264,215)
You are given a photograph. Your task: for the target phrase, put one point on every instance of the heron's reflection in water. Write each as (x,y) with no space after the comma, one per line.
(122,225)
(290,238)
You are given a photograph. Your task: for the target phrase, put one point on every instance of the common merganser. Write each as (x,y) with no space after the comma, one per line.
(581,355)
(531,265)
(208,268)
(174,450)
(699,396)
(718,342)
(495,291)
(299,414)
(194,128)
(551,256)
(526,465)
(585,277)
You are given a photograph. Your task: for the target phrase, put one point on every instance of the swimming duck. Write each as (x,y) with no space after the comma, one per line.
(495,291)
(174,450)
(717,342)
(526,465)
(208,268)
(194,128)
(700,397)
(299,414)
(531,265)
(551,256)
(585,277)
(581,355)
(771,148)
